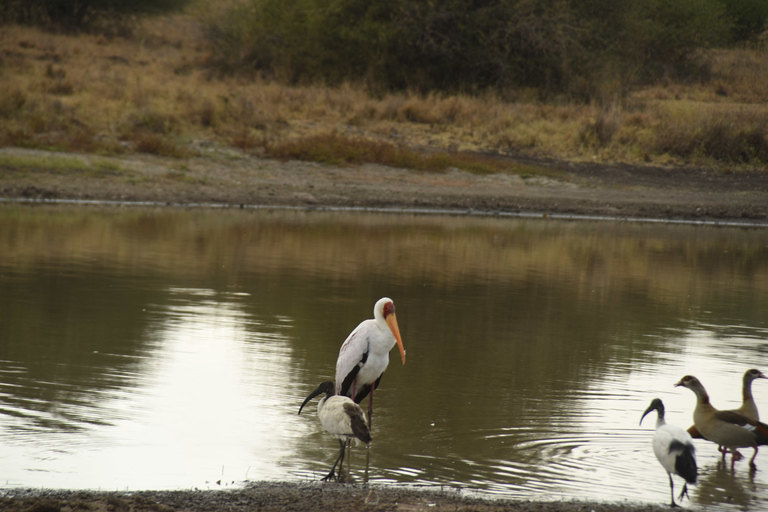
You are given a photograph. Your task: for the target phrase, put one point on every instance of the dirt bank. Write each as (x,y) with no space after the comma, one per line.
(315,497)
(229,177)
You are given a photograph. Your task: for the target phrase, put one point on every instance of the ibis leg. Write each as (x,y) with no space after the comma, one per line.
(339,462)
(752,465)
(672,491)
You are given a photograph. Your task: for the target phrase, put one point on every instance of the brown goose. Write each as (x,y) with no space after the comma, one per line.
(748,406)
(729,429)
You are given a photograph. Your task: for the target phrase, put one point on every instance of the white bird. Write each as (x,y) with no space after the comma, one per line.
(342,418)
(674,448)
(365,354)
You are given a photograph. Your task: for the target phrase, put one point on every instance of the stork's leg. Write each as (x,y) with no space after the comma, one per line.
(367,462)
(672,490)
(349,440)
(370,421)
(370,407)
(339,461)
(348,459)
(348,444)
(752,465)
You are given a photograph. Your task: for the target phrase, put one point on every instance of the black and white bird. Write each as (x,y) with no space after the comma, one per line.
(342,418)
(674,448)
(364,355)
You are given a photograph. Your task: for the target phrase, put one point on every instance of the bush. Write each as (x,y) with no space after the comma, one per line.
(725,138)
(399,44)
(555,46)
(749,18)
(80,14)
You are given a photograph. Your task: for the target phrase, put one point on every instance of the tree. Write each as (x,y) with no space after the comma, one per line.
(749,18)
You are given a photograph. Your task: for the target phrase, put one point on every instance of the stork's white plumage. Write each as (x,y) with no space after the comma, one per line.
(364,355)
(342,418)
(674,448)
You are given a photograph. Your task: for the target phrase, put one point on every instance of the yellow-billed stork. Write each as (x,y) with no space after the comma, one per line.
(364,355)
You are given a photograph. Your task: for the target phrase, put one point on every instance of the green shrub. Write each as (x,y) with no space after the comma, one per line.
(554,46)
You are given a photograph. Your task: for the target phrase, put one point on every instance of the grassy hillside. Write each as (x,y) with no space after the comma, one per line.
(154,92)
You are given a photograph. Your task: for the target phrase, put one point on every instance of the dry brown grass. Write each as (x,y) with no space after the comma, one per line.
(153,93)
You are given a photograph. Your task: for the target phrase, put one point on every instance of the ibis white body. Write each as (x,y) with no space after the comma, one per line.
(674,450)
(340,417)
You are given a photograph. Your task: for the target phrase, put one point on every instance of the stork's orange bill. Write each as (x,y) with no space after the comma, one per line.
(392,322)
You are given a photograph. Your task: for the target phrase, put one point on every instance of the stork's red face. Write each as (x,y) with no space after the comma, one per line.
(391,318)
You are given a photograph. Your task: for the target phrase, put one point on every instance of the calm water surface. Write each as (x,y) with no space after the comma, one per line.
(150,348)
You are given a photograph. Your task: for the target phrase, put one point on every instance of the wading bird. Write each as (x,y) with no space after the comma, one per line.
(342,418)
(674,448)
(729,429)
(365,354)
(748,406)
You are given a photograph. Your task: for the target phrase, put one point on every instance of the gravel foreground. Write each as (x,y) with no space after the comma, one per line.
(267,496)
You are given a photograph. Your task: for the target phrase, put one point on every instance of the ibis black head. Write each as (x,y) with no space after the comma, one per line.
(657,405)
(326,387)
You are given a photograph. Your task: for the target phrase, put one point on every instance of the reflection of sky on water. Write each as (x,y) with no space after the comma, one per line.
(204,406)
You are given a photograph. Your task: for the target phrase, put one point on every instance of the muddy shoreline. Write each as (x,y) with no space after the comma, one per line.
(299,497)
(226,177)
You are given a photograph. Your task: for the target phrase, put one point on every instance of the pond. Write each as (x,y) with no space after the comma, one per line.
(171,348)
